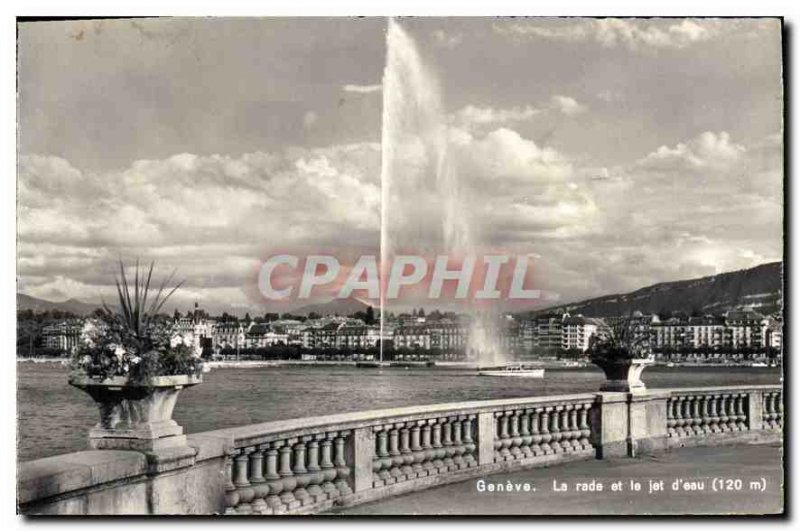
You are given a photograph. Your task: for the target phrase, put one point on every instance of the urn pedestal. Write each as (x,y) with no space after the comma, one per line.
(135,416)
(623,375)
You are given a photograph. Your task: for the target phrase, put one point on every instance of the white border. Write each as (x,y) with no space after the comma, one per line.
(10,9)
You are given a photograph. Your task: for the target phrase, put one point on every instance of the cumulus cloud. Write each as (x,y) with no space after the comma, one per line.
(567,105)
(615,32)
(362,89)
(472,114)
(703,205)
(212,217)
(707,150)
(505,188)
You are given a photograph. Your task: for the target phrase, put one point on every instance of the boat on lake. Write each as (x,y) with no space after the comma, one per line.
(519,370)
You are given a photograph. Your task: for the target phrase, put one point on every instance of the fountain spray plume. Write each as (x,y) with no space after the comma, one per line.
(422,205)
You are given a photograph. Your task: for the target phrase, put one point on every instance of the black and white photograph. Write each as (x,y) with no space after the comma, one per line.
(340,266)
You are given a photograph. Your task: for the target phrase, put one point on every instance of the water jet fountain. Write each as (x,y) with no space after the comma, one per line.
(423,205)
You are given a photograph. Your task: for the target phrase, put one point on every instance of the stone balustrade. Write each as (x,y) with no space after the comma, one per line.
(689,415)
(304,466)
(308,465)
(703,416)
(287,474)
(772,412)
(408,450)
(527,433)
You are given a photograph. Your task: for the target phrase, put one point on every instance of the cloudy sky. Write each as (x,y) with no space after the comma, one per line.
(620,152)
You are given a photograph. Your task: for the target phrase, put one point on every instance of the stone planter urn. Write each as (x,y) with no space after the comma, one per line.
(623,375)
(135,416)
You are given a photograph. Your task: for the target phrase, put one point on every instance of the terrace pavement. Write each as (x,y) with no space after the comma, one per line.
(762,464)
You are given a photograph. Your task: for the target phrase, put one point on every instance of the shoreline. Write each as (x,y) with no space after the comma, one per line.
(552,365)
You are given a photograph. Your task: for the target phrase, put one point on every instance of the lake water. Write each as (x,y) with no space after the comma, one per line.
(54,418)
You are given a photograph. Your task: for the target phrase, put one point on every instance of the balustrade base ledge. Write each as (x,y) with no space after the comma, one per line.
(57,475)
(423,483)
(721,439)
(651,445)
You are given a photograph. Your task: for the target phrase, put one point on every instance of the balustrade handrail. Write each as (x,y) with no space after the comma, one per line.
(728,388)
(264,432)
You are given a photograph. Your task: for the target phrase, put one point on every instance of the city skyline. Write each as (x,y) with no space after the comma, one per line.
(204,144)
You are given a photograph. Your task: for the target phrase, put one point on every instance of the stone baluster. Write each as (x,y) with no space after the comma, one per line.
(773,417)
(505,438)
(447,443)
(544,427)
(740,406)
(765,410)
(428,452)
(769,409)
(300,472)
(231,494)
(438,448)
(497,440)
(273,478)
(536,435)
(458,442)
(289,482)
(726,420)
(693,427)
(584,426)
(741,416)
(525,433)
(376,459)
(555,430)
(734,412)
(575,431)
(566,428)
(776,410)
(702,414)
(708,416)
(713,413)
(686,414)
(394,452)
(329,472)
(514,435)
(769,413)
(697,415)
(416,451)
(241,482)
(469,442)
(342,470)
(381,462)
(684,417)
(405,451)
(672,416)
(719,413)
(722,419)
(316,477)
(257,480)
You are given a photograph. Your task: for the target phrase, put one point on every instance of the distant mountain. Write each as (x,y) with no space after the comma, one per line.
(26,302)
(758,288)
(335,307)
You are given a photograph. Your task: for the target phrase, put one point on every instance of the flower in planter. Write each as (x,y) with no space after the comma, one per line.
(132,340)
(619,343)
